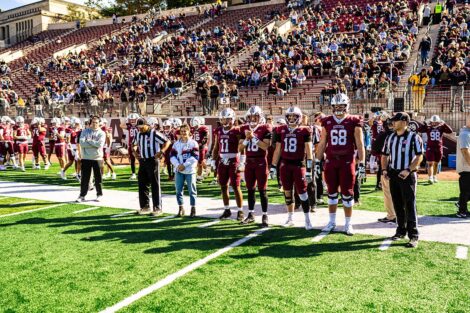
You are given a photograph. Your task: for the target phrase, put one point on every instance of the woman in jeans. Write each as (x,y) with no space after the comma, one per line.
(184,157)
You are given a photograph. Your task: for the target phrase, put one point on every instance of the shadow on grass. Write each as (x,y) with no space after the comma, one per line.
(20,205)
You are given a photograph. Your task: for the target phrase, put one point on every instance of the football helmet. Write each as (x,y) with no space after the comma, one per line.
(253,116)
(19,120)
(227,117)
(166,125)
(340,104)
(42,121)
(293,116)
(74,121)
(281,121)
(132,118)
(435,119)
(55,121)
(65,120)
(152,121)
(36,121)
(196,121)
(177,123)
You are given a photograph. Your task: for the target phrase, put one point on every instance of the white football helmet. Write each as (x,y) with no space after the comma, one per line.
(152,121)
(36,121)
(254,116)
(177,123)
(196,121)
(166,125)
(293,116)
(65,120)
(435,119)
(340,104)
(227,117)
(19,120)
(75,120)
(4,119)
(42,120)
(55,120)
(132,118)
(281,121)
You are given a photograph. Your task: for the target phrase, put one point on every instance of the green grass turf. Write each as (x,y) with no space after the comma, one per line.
(14,205)
(283,271)
(431,199)
(56,261)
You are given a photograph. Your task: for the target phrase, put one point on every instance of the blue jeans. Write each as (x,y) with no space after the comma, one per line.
(190,180)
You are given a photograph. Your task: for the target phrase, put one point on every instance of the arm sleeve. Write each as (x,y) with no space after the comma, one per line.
(174,157)
(386,147)
(447,129)
(418,144)
(194,156)
(160,138)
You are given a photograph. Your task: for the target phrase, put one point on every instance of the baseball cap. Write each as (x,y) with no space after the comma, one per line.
(400,116)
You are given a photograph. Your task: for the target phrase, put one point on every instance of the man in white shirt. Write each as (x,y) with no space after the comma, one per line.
(463,168)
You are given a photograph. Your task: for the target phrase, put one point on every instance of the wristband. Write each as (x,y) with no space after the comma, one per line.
(242,159)
(309,163)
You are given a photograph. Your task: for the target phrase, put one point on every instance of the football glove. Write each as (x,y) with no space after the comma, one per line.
(213,164)
(273,171)
(241,165)
(317,169)
(361,171)
(308,177)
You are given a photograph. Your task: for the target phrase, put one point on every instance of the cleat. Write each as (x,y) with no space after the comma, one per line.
(330,227)
(288,223)
(23,169)
(133,177)
(430,181)
(193,212)
(156,212)
(308,225)
(180,212)
(113,176)
(80,199)
(240,216)
(435,180)
(63,175)
(264,221)
(227,213)
(349,230)
(397,237)
(143,211)
(320,201)
(413,243)
(214,182)
(107,176)
(78,177)
(2,168)
(46,167)
(249,219)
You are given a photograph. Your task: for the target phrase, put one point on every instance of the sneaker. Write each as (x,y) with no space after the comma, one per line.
(308,225)
(397,236)
(23,169)
(349,230)
(227,213)
(320,201)
(46,167)
(214,182)
(63,175)
(387,220)
(133,177)
(193,212)
(249,219)
(107,176)
(430,181)
(413,243)
(240,216)
(98,198)
(288,223)
(113,176)
(462,214)
(143,211)
(180,212)
(37,167)
(329,227)
(156,212)
(264,221)
(80,199)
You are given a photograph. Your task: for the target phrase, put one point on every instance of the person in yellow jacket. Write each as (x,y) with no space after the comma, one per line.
(21,107)
(418,81)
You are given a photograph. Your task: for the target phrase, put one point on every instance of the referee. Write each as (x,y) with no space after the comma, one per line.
(149,147)
(402,154)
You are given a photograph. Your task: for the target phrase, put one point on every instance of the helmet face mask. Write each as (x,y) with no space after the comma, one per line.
(293,116)
(253,120)
(340,109)
(227,118)
(195,122)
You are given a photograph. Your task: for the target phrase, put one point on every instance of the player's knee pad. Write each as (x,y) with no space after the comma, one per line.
(333,198)
(303,196)
(289,199)
(348,201)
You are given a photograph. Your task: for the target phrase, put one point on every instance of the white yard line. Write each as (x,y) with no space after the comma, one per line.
(385,244)
(23,202)
(86,210)
(163,219)
(320,236)
(172,277)
(122,214)
(28,211)
(461,252)
(205,225)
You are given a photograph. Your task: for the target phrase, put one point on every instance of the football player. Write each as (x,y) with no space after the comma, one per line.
(293,142)
(226,142)
(39,133)
(52,131)
(201,135)
(107,150)
(6,142)
(341,136)
(71,143)
(254,143)
(60,145)
(434,147)
(131,126)
(21,135)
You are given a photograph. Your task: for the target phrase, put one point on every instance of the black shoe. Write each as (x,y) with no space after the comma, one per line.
(193,212)
(413,243)
(227,213)
(264,221)
(240,216)
(180,212)
(397,237)
(249,219)
(462,214)
(387,220)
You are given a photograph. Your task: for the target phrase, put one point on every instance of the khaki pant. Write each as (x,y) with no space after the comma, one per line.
(388,203)
(418,100)
(124,109)
(143,108)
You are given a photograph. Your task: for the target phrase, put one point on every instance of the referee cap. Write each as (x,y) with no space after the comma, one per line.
(400,116)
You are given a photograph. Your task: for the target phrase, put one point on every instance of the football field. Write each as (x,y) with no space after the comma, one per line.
(59,256)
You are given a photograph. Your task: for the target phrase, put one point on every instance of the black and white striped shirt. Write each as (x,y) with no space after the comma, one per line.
(402,149)
(149,143)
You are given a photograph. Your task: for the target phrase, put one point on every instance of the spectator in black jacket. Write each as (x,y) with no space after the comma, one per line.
(424,48)
(124,102)
(205,92)
(214,95)
(458,78)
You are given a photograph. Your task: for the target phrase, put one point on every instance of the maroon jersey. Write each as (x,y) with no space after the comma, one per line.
(52,133)
(6,132)
(132,132)
(200,135)
(21,132)
(39,134)
(261,132)
(60,130)
(293,141)
(435,135)
(341,140)
(376,128)
(228,141)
